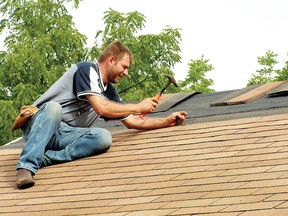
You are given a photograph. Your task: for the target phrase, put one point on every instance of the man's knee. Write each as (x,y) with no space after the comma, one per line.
(103,139)
(53,110)
(106,139)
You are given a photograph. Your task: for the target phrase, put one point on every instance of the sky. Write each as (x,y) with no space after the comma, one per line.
(231,34)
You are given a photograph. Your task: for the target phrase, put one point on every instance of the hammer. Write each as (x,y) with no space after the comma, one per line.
(158,95)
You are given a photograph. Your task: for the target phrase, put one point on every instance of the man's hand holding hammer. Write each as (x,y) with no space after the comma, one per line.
(148,105)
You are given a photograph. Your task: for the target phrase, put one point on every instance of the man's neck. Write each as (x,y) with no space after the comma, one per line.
(103,74)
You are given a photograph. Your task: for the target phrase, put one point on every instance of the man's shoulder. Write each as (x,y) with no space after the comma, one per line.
(84,64)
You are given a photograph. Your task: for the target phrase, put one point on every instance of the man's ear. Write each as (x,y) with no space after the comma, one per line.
(111,58)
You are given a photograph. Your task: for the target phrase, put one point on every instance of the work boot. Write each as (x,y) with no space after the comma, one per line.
(24,179)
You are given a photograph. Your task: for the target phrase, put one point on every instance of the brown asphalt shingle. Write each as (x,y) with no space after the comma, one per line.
(236,168)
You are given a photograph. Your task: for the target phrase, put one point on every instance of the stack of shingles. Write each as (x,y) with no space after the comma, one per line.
(236,167)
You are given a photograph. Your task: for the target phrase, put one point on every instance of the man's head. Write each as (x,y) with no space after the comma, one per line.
(117,49)
(114,62)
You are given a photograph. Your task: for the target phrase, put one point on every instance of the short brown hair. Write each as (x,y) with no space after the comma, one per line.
(117,49)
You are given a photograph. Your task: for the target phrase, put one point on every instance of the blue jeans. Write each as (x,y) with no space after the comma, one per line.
(51,141)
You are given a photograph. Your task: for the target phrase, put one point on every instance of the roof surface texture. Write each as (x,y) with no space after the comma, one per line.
(230,163)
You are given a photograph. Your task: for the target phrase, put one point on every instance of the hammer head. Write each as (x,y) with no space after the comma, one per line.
(171,80)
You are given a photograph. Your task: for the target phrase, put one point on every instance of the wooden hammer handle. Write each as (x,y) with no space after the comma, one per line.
(142,115)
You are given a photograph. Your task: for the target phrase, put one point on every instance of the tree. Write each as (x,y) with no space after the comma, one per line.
(268,73)
(195,79)
(282,74)
(41,43)
(154,55)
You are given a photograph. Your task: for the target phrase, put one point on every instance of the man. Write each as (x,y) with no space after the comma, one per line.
(60,130)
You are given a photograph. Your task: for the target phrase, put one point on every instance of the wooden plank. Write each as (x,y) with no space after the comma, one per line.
(255,93)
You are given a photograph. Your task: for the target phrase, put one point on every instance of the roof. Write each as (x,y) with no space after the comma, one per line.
(226,160)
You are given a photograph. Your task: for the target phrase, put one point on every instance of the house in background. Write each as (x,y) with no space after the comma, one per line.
(229,158)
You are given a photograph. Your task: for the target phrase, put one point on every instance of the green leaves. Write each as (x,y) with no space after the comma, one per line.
(268,72)
(195,80)
(42,43)
(120,26)
(154,55)
(7,119)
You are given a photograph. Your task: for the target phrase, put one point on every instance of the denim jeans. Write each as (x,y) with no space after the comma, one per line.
(51,141)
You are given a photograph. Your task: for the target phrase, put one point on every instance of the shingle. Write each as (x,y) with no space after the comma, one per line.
(279,91)
(229,167)
(168,101)
(273,212)
(252,206)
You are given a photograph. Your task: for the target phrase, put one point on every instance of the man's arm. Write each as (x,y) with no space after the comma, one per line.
(112,109)
(135,122)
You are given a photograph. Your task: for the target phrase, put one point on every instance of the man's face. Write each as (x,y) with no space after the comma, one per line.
(119,69)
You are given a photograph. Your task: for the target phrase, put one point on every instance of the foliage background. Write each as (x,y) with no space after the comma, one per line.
(42,43)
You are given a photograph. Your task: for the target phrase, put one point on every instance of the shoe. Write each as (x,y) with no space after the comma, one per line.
(24,179)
